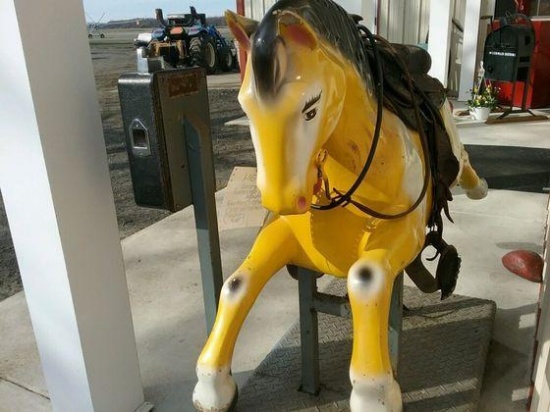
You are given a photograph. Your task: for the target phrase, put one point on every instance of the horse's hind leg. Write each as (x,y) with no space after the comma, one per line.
(216,389)
(370,283)
(474,186)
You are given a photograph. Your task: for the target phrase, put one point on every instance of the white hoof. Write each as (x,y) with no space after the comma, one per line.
(376,395)
(215,390)
(478,192)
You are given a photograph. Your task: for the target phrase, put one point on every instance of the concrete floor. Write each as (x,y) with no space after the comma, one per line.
(164,282)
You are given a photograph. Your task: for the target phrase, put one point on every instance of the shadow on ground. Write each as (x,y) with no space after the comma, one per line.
(444,346)
(513,168)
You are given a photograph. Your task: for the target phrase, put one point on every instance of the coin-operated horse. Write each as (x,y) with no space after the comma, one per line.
(355,188)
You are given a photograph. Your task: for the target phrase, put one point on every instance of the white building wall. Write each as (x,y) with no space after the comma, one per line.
(401,21)
(256,9)
(404,21)
(407,22)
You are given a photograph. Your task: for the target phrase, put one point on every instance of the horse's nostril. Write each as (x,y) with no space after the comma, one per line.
(302,202)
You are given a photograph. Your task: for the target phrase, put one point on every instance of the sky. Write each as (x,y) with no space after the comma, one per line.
(127,9)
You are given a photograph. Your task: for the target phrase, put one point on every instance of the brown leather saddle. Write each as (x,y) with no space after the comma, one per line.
(398,62)
(409,91)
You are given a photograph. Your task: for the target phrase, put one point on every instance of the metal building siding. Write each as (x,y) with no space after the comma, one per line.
(404,21)
(401,21)
(256,9)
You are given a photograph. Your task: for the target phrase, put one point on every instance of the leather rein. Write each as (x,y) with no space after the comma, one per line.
(343,199)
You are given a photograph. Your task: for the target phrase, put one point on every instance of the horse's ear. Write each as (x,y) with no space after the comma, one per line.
(241,27)
(295,29)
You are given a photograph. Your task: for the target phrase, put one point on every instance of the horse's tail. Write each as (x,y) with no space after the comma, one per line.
(474,186)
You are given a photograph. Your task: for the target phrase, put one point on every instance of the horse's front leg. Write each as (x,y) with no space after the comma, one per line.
(370,282)
(216,389)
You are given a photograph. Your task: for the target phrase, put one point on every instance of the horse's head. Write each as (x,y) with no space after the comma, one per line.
(293,92)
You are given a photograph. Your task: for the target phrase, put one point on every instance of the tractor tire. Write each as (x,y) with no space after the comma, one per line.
(203,53)
(226,59)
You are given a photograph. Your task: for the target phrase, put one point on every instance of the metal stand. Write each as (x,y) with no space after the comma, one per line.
(203,189)
(520,63)
(312,302)
(309,331)
(523,108)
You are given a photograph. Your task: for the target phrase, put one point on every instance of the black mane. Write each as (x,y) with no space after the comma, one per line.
(330,21)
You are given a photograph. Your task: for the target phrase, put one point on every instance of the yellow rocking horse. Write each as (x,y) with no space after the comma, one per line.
(355,181)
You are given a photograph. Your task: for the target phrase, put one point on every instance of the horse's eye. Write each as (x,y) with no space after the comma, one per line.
(310,114)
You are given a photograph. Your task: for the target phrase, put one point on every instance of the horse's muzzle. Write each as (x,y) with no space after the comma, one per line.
(286,205)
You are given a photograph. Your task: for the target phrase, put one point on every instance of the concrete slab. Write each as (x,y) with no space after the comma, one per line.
(19,359)
(14,398)
(166,298)
(535,134)
(483,232)
(444,345)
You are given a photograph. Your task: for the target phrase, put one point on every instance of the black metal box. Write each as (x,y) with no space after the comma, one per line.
(507,52)
(154,107)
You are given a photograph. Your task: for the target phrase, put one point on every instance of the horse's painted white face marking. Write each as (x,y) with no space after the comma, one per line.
(303,139)
(291,125)
(301,131)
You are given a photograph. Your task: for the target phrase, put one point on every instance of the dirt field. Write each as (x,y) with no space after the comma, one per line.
(111,57)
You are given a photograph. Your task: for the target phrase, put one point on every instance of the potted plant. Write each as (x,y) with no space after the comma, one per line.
(481,103)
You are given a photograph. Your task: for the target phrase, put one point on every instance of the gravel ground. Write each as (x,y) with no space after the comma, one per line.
(112,57)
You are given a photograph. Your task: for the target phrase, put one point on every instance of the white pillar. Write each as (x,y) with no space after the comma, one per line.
(363,8)
(368,11)
(439,42)
(541,370)
(55,184)
(469,48)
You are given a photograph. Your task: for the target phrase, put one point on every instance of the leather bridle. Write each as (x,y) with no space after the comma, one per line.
(343,199)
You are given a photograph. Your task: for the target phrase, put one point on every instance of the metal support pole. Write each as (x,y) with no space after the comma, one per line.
(396,323)
(309,331)
(203,188)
